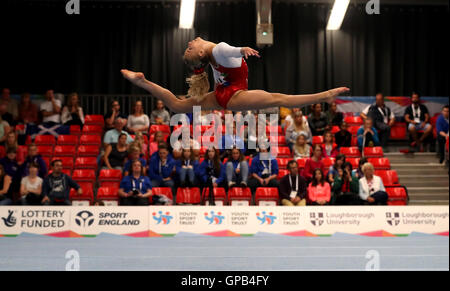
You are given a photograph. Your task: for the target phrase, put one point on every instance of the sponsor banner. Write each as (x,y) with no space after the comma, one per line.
(224,221)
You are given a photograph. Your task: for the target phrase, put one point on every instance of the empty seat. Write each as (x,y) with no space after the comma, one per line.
(276,130)
(239,196)
(22,152)
(389,177)
(220,196)
(45,151)
(86,163)
(164,128)
(335,129)
(282,173)
(188,196)
(353,130)
(301,163)
(375,152)
(397,195)
(317,140)
(2,152)
(67,140)
(266,196)
(398,131)
(75,130)
(282,162)
(111,184)
(68,172)
(92,119)
(108,193)
(45,140)
(354,162)
(92,129)
(85,199)
(163,191)
(380,163)
(109,176)
(88,151)
(91,140)
(85,175)
(354,142)
(281,152)
(328,162)
(351,152)
(65,151)
(67,162)
(279,140)
(353,120)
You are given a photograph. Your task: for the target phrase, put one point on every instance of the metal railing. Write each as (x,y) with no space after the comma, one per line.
(101,103)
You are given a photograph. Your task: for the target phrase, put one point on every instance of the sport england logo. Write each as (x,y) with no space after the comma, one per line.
(84,218)
(162,218)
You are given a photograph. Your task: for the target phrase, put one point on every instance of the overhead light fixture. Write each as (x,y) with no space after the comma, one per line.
(337,14)
(187,12)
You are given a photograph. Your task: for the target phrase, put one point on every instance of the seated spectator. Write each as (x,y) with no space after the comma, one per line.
(237,169)
(113,114)
(135,155)
(139,142)
(11,104)
(334,117)
(112,135)
(319,191)
(28,111)
(5,188)
(301,149)
(138,121)
(315,162)
(211,171)
(186,168)
(289,119)
(31,186)
(383,118)
(161,167)
(343,138)
(159,137)
(229,142)
(329,148)
(56,186)
(299,126)
(338,164)
(367,135)
(11,140)
(160,115)
(442,132)
(345,187)
(178,147)
(318,122)
(5,115)
(11,168)
(135,189)
(417,116)
(263,171)
(33,158)
(358,173)
(72,113)
(51,109)
(371,188)
(4,130)
(293,187)
(116,154)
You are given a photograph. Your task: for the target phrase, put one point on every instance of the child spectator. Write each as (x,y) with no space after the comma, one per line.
(329,148)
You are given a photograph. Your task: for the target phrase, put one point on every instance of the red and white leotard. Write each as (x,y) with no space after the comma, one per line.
(231,73)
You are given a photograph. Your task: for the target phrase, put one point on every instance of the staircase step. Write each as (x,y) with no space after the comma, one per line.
(428,202)
(408,182)
(420,171)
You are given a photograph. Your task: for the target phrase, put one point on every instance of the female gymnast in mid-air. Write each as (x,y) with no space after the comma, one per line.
(231,82)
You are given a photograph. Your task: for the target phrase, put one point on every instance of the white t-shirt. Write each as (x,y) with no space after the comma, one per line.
(226,56)
(138,121)
(48,106)
(32,187)
(385,118)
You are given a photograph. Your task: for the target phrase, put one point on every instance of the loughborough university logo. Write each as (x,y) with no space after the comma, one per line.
(393,218)
(316,218)
(84,218)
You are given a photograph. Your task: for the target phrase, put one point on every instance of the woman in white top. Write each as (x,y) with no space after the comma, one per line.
(301,149)
(371,188)
(72,113)
(138,121)
(31,186)
(298,126)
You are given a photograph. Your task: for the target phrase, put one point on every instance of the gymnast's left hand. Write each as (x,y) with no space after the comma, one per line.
(248,52)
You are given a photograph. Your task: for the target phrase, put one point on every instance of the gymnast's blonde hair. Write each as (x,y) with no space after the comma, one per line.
(198,82)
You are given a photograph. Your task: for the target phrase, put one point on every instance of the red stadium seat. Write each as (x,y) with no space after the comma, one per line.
(84,176)
(152,137)
(280,140)
(353,130)
(164,128)
(67,140)
(47,162)
(239,196)
(380,163)
(328,162)
(65,151)
(92,130)
(48,140)
(66,161)
(389,177)
(110,184)
(220,196)
(317,140)
(108,194)
(45,151)
(94,120)
(163,191)
(22,152)
(28,140)
(281,152)
(274,129)
(88,151)
(87,196)
(282,173)
(109,176)
(354,142)
(68,172)
(335,129)
(282,162)
(75,130)
(301,163)
(375,152)
(86,163)
(397,196)
(354,120)
(265,195)
(91,140)
(433,121)
(188,196)
(2,152)
(207,140)
(398,131)
(354,162)
(180,127)
(351,152)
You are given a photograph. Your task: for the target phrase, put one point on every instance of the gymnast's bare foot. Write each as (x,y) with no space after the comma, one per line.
(333,93)
(134,77)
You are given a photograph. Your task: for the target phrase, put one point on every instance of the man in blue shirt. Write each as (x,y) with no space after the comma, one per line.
(161,167)
(136,188)
(442,132)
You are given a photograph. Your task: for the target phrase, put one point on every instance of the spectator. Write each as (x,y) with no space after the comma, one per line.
(367,135)
(418,117)
(358,173)
(159,137)
(11,104)
(338,164)
(31,186)
(268,112)
(345,187)
(33,158)
(161,167)
(112,135)
(135,155)
(138,121)
(343,138)
(333,116)
(135,189)
(231,141)
(293,187)
(5,188)
(211,171)
(383,118)
(5,115)
(51,109)
(72,113)
(10,164)
(114,114)
(28,111)
(301,149)
(237,169)
(290,118)
(186,168)
(178,147)
(298,126)
(442,132)
(116,154)
(371,188)
(11,140)
(263,171)
(329,148)
(319,191)
(318,122)
(4,130)
(160,115)
(57,185)
(139,142)
(315,162)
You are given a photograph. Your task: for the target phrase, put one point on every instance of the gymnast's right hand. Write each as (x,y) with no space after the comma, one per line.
(133,77)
